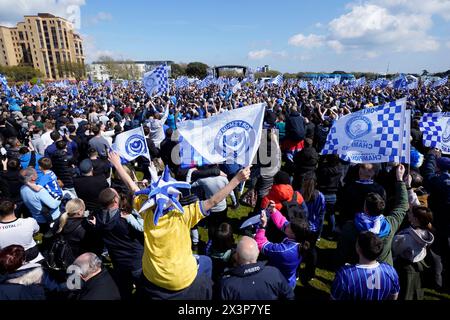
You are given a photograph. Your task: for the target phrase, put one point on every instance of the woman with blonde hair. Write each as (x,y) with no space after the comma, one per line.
(77,228)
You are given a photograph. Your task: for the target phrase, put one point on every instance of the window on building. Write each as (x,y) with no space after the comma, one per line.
(55,38)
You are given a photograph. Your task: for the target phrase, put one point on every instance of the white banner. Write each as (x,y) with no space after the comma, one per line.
(232,137)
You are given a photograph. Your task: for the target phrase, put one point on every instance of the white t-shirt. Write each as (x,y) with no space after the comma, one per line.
(19,232)
(46,139)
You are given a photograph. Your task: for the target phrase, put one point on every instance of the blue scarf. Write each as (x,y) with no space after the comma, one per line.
(378,225)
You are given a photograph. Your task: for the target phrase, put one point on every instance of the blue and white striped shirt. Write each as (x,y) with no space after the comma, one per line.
(365,282)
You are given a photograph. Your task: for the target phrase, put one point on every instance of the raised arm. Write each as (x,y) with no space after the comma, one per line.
(242,176)
(114,158)
(401,205)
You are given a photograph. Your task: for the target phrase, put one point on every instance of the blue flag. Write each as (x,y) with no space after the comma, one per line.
(157,80)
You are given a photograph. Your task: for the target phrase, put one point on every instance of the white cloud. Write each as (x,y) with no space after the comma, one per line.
(371,54)
(318,25)
(336,45)
(259,54)
(310,41)
(101,16)
(428,7)
(93,53)
(448,44)
(367,26)
(265,53)
(12,11)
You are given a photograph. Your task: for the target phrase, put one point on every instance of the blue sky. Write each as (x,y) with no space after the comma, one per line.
(290,36)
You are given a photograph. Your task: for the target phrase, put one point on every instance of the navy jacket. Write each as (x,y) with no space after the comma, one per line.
(438,185)
(255,281)
(124,244)
(295,127)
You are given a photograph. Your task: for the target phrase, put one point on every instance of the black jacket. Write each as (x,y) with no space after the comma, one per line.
(81,236)
(295,127)
(438,185)
(306,160)
(255,281)
(101,167)
(62,167)
(88,189)
(124,244)
(99,287)
(166,148)
(321,134)
(13,180)
(329,177)
(351,198)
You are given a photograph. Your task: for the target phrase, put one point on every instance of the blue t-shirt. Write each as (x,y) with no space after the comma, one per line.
(49,181)
(365,282)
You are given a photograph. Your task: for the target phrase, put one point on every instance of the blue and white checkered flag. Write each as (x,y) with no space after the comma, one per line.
(440,82)
(205,83)
(436,130)
(413,85)
(131,144)
(157,80)
(278,80)
(181,82)
(303,85)
(427,82)
(371,135)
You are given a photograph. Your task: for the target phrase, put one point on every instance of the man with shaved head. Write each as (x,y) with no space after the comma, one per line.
(253,280)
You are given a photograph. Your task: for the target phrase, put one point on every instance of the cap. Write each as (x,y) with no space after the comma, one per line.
(86,166)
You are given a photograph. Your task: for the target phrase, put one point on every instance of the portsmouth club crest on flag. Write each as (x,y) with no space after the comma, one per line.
(131,144)
(232,137)
(436,130)
(373,135)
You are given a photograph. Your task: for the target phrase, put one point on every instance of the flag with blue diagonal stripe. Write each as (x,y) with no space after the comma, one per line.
(440,82)
(181,82)
(436,130)
(278,80)
(205,83)
(157,80)
(372,135)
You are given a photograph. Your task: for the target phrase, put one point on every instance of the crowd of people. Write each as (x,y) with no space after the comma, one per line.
(74,225)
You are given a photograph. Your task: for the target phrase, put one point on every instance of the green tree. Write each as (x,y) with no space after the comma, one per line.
(197,69)
(20,73)
(71,69)
(178,70)
(268,74)
(111,66)
(289,75)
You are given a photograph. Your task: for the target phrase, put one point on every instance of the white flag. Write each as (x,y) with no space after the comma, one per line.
(131,144)
(236,87)
(372,135)
(232,137)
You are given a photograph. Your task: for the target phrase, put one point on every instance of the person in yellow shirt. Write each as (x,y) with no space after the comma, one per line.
(170,270)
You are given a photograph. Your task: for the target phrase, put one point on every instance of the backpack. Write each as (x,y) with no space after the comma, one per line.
(60,255)
(291,209)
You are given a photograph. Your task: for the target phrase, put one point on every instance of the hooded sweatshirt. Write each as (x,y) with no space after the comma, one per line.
(280,193)
(411,244)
